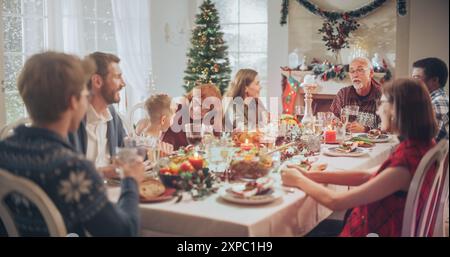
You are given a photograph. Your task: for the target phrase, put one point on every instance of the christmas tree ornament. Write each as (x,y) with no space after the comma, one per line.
(208,60)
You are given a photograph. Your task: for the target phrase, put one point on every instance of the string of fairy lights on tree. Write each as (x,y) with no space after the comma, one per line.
(208,56)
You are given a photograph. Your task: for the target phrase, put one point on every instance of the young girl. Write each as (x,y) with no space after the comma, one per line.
(378,201)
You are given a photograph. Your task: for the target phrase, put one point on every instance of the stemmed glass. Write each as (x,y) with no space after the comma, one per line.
(318,126)
(344,117)
(194,134)
(299,112)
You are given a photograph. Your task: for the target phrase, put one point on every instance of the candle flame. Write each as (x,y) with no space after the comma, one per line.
(246,140)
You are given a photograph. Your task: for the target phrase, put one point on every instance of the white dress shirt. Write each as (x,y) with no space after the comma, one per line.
(97,143)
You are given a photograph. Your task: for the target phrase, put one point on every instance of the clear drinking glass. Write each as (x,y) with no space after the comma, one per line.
(299,112)
(353,112)
(193,133)
(344,117)
(318,126)
(340,132)
(326,118)
(349,114)
(313,142)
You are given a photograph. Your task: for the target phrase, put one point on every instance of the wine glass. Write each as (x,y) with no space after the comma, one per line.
(344,117)
(207,135)
(193,133)
(318,126)
(299,112)
(227,153)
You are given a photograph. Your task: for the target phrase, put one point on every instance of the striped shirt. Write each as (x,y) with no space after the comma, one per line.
(439,99)
(367,104)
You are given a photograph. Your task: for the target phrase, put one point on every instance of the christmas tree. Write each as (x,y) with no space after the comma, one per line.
(208,57)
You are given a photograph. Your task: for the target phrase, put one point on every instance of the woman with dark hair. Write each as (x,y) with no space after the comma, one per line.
(378,200)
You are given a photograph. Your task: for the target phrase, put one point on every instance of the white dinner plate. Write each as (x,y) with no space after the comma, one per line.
(252,200)
(331,151)
(381,139)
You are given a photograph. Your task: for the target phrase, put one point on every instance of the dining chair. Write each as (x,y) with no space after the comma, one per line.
(431,214)
(10,183)
(7,130)
(130,116)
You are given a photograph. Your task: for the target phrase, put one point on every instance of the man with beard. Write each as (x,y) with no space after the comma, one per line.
(365,93)
(101,130)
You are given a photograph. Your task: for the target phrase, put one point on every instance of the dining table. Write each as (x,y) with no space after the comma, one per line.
(294,213)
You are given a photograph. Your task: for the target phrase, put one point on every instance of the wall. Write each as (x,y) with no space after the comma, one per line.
(277,49)
(171,24)
(170,45)
(425,33)
(376,34)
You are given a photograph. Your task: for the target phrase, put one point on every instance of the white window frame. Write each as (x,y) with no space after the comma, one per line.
(264,82)
(45,17)
(49,43)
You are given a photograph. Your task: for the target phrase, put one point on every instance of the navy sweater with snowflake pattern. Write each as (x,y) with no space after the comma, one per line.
(71,182)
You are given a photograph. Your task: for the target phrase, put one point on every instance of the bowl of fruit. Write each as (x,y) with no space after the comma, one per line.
(183,163)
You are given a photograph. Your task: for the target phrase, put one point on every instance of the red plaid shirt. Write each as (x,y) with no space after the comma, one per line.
(385,216)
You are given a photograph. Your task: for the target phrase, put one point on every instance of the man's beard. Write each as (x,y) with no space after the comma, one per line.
(358,86)
(109,95)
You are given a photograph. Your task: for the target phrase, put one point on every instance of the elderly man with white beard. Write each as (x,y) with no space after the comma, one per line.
(364,92)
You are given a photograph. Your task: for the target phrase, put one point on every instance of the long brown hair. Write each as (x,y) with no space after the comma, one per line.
(414,114)
(243,79)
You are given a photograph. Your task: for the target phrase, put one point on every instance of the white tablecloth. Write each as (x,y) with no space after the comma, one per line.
(295,214)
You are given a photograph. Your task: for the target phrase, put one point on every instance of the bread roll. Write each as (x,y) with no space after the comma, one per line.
(151,188)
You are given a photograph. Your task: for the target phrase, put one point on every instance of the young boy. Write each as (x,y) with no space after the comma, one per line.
(160,115)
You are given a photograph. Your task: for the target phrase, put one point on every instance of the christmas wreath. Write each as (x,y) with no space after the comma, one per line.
(338,25)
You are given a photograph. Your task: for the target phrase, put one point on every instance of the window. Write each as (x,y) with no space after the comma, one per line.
(98,26)
(245,27)
(24,30)
(29,28)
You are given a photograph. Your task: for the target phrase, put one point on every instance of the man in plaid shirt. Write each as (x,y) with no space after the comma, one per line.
(434,73)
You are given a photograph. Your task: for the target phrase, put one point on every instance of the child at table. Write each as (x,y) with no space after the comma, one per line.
(378,200)
(160,115)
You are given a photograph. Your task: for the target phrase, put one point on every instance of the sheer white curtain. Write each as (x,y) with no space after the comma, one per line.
(66,26)
(132,29)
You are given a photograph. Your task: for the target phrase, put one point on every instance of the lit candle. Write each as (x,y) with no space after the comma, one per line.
(330,135)
(246,146)
(196,161)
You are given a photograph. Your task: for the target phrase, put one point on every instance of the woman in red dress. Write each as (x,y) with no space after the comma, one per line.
(378,200)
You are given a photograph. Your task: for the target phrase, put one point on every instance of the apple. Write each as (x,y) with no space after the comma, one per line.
(165,171)
(174,168)
(186,167)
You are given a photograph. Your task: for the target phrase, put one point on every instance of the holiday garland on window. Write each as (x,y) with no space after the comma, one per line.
(338,25)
